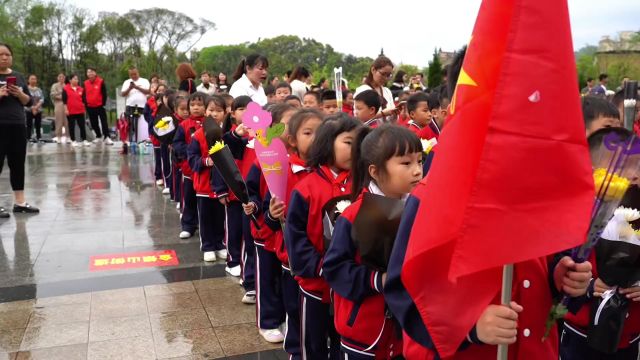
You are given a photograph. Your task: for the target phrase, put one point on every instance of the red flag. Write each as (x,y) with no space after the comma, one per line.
(512,180)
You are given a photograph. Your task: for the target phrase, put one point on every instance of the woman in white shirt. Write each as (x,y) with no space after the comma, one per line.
(298,81)
(380,72)
(249,76)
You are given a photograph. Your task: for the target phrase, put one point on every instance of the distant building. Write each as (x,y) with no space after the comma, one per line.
(621,53)
(446,57)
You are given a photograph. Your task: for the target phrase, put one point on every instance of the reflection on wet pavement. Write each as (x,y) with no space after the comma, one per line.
(94,201)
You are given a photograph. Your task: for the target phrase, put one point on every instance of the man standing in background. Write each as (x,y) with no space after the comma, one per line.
(206,87)
(95,99)
(135,91)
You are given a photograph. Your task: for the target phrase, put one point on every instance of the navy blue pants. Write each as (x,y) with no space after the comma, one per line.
(166,169)
(573,346)
(233,226)
(211,221)
(189,219)
(248,256)
(316,326)
(158,159)
(291,299)
(176,184)
(270,309)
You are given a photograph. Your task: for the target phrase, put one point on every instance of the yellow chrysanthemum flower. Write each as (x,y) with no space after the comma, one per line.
(216,147)
(617,186)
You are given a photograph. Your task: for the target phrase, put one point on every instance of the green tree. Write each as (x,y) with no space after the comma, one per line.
(434,77)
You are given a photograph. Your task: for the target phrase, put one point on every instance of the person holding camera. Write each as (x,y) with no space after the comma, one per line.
(14,96)
(135,91)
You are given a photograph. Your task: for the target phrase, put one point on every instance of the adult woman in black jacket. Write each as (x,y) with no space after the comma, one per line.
(14,96)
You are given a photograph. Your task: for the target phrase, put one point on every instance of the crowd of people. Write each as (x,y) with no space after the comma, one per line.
(296,257)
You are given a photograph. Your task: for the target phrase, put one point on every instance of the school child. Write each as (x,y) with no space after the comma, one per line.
(181,142)
(269,302)
(403,117)
(314,200)
(312,100)
(181,113)
(329,102)
(149,113)
(282,91)
(599,113)
(301,131)
(164,106)
(270,93)
(293,101)
(366,107)
(347,102)
(234,215)
(421,108)
(387,161)
(228,99)
(573,340)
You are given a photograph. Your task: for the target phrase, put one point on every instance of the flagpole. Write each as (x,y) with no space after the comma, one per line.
(507,286)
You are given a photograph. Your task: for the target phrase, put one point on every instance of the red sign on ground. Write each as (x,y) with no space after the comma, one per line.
(133,260)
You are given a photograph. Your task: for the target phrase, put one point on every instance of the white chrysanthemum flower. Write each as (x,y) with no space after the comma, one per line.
(341,206)
(627,214)
(427,145)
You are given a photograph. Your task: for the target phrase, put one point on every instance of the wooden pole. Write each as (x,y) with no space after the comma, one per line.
(507,286)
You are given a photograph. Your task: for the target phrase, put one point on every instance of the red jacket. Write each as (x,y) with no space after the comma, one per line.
(426,132)
(197,153)
(360,309)
(257,186)
(297,172)
(182,140)
(305,227)
(580,320)
(73,99)
(94,92)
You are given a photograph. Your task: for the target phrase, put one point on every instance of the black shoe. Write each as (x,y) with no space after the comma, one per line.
(27,209)
(125,149)
(4,214)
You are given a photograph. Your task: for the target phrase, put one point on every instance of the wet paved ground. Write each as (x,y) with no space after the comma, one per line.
(95,202)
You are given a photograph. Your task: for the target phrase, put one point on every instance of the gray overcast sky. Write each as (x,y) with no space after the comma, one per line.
(407,30)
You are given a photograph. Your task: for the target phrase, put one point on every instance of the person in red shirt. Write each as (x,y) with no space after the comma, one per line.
(421,108)
(347,103)
(74,109)
(95,98)
(313,206)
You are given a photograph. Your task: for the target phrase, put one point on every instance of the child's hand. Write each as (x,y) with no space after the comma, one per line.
(241,130)
(599,287)
(249,208)
(276,208)
(572,278)
(224,200)
(498,324)
(633,293)
(384,279)
(208,162)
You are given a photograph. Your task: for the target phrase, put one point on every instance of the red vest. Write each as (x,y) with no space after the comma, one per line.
(94,92)
(74,100)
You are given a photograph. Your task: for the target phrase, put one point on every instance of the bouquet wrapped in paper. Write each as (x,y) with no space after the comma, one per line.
(330,213)
(165,125)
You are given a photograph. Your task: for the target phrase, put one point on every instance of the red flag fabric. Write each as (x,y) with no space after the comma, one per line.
(512,180)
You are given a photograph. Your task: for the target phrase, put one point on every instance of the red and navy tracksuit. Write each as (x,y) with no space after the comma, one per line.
(269,304)
(533,288)
(290,290)
(149,113)
(427,133)
(360,313)
(573,338)
(304,240)
(175,170)
(181,142)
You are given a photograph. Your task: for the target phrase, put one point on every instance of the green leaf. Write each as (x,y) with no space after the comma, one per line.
(557,312)
(275,131)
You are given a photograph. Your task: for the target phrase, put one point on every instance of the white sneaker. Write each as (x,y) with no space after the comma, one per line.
(166,191)
(185,235)
(273,336)
(222,254)
(160,182)
(86,143)
(249,297)
(56,140)
(234,271)
(63,140)
(108,141)
(75,144)
(178,206)
(97,141)
(209,256)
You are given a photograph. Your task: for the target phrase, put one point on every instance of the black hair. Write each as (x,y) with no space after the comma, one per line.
(171,98)
(378,63)
(278,111)
(91,68)
(415,99)
(399,78)
(315,94)
(454,70)
(589,79)
(217,100)
(345,93)
(618,98)
(199,96)
(594,107)
(229,120)
(299,72)
(284,85)
(251,61)
(602,77)
(299,118)
(370,98)
(72,75)
(288,73)
(376,147)
(8,47)
(269,90)
(594,140)
(176,98)
(293,97)
(322,80)
(322,149)
(328,95)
